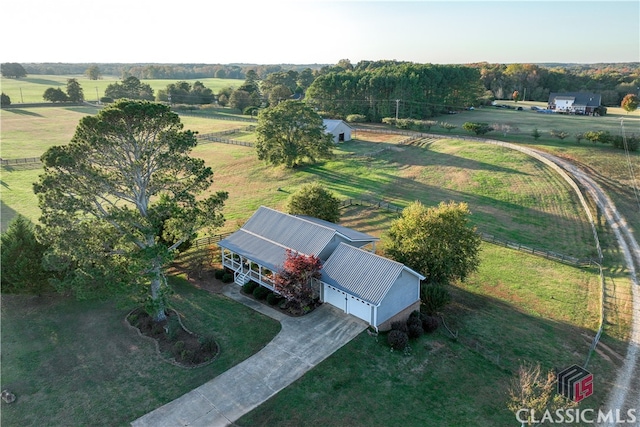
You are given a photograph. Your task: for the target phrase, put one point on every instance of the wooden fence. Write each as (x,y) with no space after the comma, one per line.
(23,161)
(565,259)
(210,240)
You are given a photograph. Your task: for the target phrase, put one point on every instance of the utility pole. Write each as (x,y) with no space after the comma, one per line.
(397,105)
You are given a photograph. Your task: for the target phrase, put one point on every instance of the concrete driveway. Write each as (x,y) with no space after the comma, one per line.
(302,343)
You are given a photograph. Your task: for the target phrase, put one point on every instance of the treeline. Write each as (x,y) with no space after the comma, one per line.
(391,89)
(535,83)
(380,83)
(166,71)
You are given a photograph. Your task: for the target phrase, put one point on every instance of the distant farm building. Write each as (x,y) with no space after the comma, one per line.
(340,130)
(575,103)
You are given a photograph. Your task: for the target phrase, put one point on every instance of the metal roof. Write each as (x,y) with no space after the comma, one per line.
(349,233)
(362,274)
(581,98)
(265,237)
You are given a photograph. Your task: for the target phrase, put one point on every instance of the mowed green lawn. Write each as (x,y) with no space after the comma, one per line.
(77,363)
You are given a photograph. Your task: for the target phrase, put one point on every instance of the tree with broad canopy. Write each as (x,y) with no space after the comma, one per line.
(437,242)
(314,200)
(121,197)
(290,133)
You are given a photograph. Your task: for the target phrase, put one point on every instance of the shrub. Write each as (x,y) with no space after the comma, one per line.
(249,287)
(227,278)
(398,340)
(430,323)
(414,313)
(173,327)
(435,297)
(356,118)
(273,298)
(208,344)
(399,326)
(218,273)
(535,134)
(559,134)
(477,128)
(260,292)
(415,330)
(178,347)
(389,121)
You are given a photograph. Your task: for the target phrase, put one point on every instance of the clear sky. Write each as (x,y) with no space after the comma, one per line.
(311,31)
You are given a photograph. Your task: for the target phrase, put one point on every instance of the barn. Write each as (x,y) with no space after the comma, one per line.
(354,279)
(339,129)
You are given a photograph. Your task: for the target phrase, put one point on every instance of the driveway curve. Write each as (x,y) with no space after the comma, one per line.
(301,344)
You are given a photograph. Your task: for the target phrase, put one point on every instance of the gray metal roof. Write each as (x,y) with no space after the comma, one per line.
(349,233)
(362,274)
(581,98)
(265,237)
(265,252)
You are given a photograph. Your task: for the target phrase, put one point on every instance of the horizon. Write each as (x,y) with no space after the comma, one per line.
(324,32)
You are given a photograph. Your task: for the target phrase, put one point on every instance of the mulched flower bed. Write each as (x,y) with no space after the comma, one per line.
(174,342)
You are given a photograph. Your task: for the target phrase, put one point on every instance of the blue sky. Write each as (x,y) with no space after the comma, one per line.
(310,31)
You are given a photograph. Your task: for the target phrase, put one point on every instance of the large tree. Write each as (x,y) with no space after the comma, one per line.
(630,102)
(290,133)
(131,88)
(93,72)
(12,70)
(316,201)
(55,95)
(438,242)
(74,91)
(124,193)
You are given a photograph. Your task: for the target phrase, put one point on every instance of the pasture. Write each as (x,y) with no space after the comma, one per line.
(31,88)
(517,306)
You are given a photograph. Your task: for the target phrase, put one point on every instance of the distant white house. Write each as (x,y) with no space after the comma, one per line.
(575,102)
(340,130)
(357,281)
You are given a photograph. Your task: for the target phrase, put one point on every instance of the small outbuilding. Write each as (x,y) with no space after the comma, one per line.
(340,130)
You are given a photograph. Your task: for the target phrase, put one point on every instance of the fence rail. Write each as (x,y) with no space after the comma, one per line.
(565,259)
(212,137)
(23,161)
(209,240)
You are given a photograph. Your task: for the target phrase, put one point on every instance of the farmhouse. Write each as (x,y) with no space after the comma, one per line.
(575,102)
(340,130)
(355,280)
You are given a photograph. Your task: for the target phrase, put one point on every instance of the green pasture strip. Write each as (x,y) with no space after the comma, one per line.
(31,88)
(16,193)
(30,132)
(500,323)
(77,363)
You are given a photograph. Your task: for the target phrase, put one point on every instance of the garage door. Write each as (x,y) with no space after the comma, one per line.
(359,309)
(335,297)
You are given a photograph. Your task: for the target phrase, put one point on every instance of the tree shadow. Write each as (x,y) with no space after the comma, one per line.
(22,112)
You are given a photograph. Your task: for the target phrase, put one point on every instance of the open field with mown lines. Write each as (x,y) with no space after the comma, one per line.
(517,306)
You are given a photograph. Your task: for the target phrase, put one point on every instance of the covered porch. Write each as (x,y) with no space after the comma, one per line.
(245,269)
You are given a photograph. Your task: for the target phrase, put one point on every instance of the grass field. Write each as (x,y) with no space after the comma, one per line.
(31,88)
(74,363)
(518,306)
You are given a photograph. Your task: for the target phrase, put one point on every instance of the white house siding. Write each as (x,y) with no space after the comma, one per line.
(404,293)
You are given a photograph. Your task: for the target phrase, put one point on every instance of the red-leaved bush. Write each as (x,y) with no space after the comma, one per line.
(294,280)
